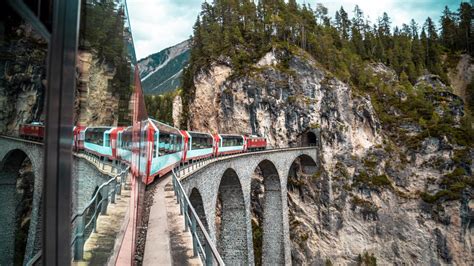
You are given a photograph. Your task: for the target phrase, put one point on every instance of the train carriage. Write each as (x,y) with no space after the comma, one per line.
(255,143)
(78,137)
(197,145)
(124,143)
(165,150)
(33,131)
(97,141)
(228,144)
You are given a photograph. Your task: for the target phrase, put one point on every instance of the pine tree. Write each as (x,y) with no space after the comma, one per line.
(465,33)
(448,29)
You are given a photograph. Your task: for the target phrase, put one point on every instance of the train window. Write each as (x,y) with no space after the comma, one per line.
(200,141)
(95,135)
(143,142)
(163,146)
(127,140)
(180,143)
(229,141)
(155,141)
(107,140)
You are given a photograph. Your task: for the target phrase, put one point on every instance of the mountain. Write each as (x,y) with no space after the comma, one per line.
(161,72)
(392,182)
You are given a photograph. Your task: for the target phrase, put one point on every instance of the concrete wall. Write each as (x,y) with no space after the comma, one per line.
(208,182)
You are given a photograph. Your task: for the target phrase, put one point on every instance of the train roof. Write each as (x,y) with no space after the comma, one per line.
(162,127)
(231,135)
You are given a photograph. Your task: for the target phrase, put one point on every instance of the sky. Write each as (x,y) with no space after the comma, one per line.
(159,24)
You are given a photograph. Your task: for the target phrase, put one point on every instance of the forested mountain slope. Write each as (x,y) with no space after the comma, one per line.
(395,143)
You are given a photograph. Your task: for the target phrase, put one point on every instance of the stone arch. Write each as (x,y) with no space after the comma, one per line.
(231,224)
(269,223)
(196,201)
(303,164)
(17,186)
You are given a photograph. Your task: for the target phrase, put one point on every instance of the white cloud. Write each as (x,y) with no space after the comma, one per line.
(158,24)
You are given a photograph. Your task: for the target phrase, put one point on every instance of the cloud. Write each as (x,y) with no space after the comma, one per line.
(158,24)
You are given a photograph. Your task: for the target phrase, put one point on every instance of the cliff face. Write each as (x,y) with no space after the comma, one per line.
(23,79)
(95,104)
(281,104)
(366,201)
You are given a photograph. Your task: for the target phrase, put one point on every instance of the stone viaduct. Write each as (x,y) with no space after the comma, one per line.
(13,155)
(224,186)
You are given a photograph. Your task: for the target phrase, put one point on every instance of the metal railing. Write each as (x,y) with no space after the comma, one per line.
(87,219)
(34,259)
(206,251)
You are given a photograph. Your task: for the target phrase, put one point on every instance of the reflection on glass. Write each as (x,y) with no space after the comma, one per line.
(23,54)
(110,137)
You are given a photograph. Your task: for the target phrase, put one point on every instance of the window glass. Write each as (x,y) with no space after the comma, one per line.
(200,141)
(95,136)
(229,141)
(23,64)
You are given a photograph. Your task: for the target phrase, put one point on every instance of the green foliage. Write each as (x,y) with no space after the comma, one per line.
(102,32)
(372,181)
(454,183)
(257,235)
(366,260)
(160,107)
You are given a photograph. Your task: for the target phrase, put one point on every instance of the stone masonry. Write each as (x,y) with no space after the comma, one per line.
(86,179)
(231,178)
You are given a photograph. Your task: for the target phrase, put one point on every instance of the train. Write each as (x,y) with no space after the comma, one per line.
(32,131)
(159,147)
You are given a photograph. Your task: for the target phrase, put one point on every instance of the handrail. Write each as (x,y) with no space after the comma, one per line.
(35,259)
(83,229)
(186,206)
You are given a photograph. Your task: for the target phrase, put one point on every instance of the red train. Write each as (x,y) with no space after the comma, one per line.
(161,147)
(33,131)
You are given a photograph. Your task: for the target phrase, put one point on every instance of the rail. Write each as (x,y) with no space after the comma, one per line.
(35,259)
(206,251)
(87,219)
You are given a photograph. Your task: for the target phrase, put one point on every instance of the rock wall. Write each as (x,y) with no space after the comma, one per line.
(363,202)
(177,110)
(461,76)
(22,79)
(94,105)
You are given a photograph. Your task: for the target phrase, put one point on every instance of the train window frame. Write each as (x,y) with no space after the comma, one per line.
(107,139)
(155,144)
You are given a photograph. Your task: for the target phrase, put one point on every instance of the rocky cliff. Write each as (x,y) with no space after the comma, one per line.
(22,78)
(95,103)
(382,194)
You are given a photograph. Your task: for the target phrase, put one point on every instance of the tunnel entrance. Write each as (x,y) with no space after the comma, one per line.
(267,215)
(230,220)
(16,195)
(308,138)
